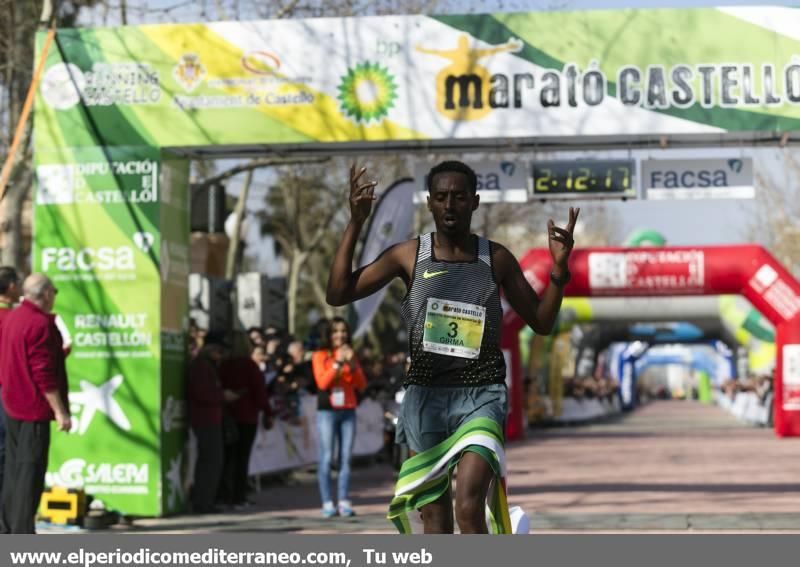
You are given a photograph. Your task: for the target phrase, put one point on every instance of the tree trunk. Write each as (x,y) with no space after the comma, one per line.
(236,238)
(21,177)
(11,253)
(318,290)
(293,287)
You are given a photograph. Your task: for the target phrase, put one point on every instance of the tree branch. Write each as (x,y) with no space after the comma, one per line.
(288,8)
(235,242)
(286,245)
(290,204)
(322,229)
(250,166)
(318,290)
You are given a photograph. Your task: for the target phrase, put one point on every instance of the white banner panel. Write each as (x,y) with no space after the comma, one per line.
(503,181)
(725,178)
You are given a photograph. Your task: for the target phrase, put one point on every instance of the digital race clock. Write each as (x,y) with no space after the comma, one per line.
(584,178)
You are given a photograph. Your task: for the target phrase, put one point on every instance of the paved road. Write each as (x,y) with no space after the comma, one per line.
(670,466)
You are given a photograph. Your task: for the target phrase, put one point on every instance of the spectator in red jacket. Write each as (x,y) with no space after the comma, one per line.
(34,394)
(242,375)
(206,403)
(9,297)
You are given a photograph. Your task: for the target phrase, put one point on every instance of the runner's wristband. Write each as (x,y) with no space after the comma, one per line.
(561,282)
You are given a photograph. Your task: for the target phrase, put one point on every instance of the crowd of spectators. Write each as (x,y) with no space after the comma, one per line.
(235,378)
(761,385)
(590,387)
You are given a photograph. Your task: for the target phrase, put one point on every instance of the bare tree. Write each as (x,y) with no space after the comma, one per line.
(19,22)
(776,222)
(304,211)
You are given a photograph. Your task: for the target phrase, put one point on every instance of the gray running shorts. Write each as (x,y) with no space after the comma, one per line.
(431,414)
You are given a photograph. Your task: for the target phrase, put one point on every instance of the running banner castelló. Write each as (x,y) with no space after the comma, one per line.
(111,209)
(404,78)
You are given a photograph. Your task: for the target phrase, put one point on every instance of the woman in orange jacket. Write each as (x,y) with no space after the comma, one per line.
(339,377)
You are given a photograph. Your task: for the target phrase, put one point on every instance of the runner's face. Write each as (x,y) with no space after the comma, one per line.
(338,335)
(451,202)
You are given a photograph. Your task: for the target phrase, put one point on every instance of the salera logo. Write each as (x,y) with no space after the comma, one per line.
(87,259)
(463,87)
(75,473)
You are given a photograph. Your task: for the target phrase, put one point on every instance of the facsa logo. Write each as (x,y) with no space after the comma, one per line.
(88,259)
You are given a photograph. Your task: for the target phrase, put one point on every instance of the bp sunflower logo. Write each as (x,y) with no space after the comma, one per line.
(367,92)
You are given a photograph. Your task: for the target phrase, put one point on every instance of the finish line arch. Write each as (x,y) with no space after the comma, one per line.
(119,110)
(748,270)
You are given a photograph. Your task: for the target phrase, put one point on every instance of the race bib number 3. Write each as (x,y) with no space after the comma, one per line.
(453,328)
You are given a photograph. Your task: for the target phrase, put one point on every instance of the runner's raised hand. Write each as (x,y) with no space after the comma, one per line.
(560,239)
(362,194)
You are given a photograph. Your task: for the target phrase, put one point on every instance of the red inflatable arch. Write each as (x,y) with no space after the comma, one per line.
(747,270)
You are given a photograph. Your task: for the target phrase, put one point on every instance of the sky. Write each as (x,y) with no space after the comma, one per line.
(601,4)
(187,11)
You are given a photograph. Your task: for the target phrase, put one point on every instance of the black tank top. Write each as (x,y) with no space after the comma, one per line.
(469,283)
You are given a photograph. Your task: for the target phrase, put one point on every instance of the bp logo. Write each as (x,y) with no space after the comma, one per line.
(367,92)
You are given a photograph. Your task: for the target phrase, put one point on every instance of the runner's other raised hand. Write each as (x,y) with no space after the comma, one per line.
(560,240)
(362,194)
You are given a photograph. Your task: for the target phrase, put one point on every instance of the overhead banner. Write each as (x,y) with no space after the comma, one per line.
(421,78)
(726,178)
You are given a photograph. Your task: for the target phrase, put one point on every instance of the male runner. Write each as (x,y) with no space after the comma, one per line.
(455,403)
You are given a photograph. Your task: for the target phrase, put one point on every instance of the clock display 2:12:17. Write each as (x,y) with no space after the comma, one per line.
(590,177)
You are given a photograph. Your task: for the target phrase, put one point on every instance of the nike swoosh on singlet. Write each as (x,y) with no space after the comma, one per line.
(427,275)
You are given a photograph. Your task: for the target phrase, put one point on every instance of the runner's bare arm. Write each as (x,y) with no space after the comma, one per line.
(539,313)
(345,285)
